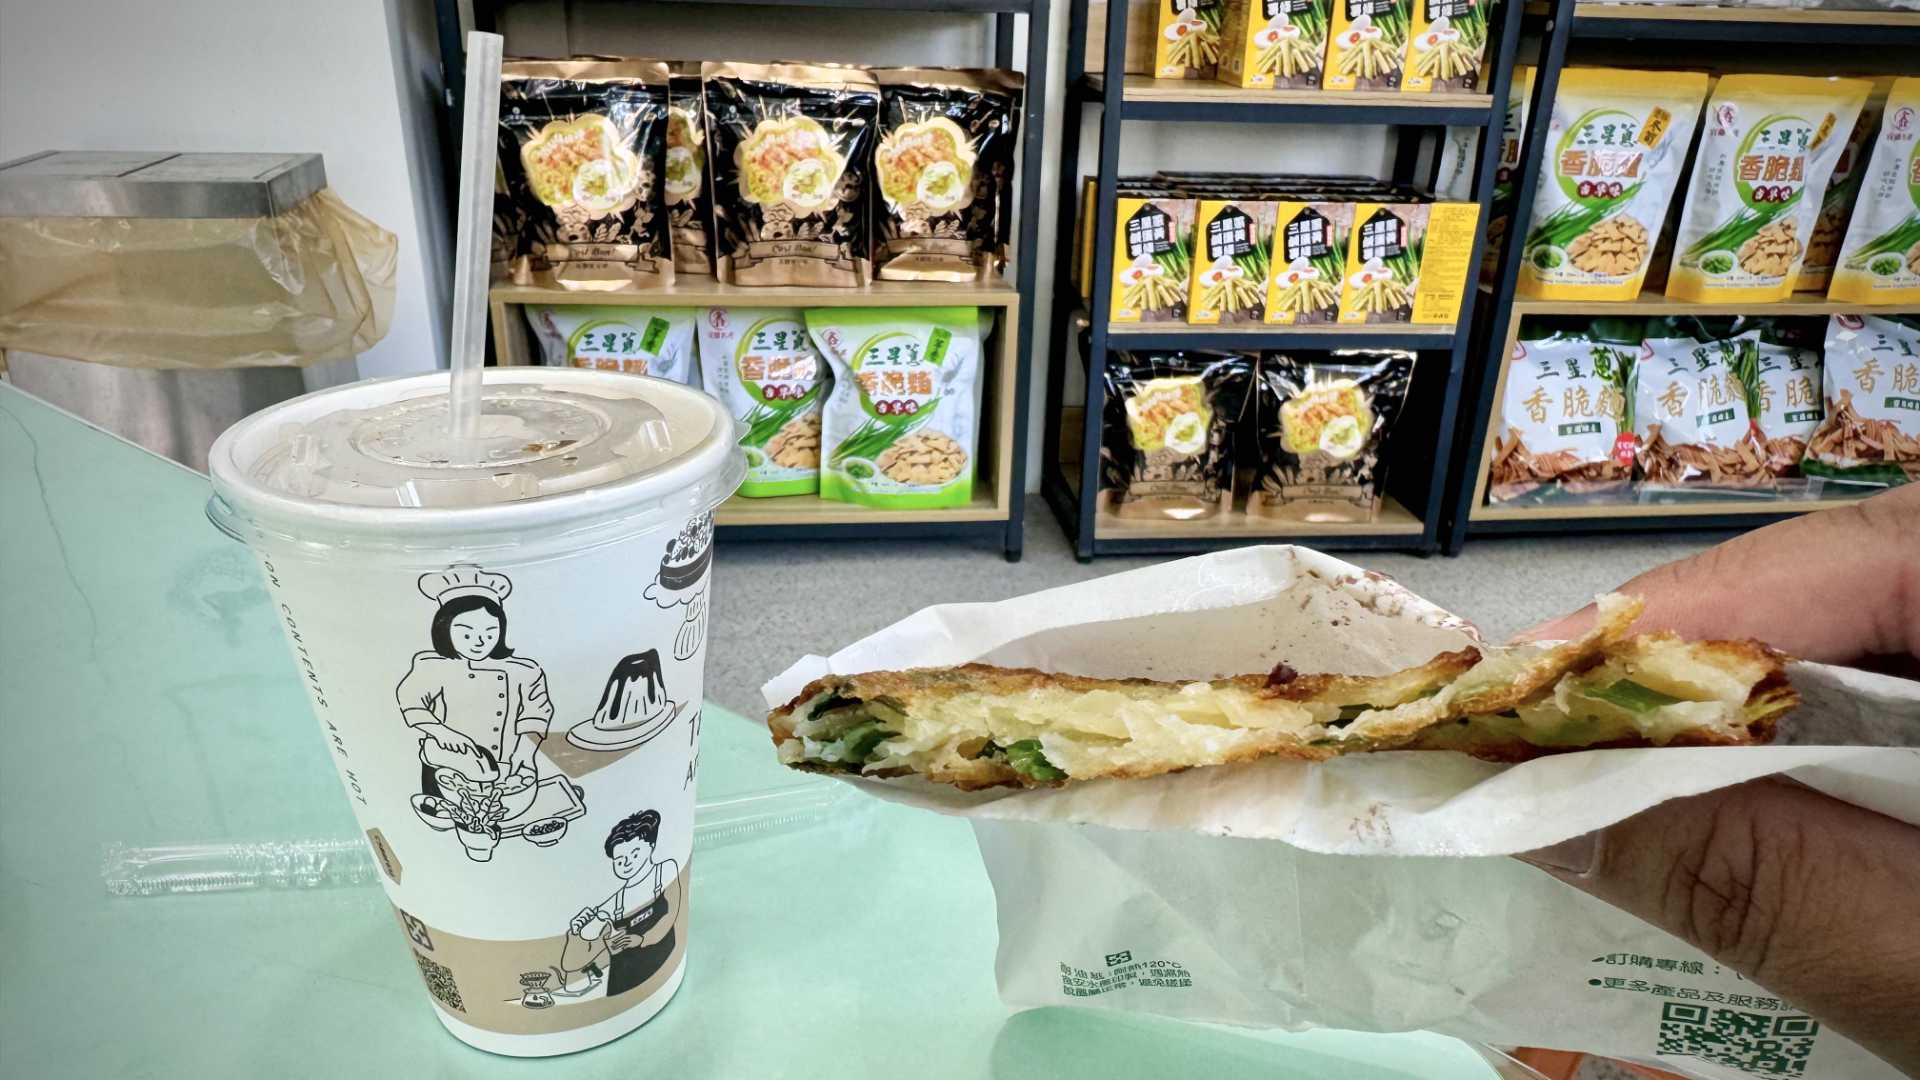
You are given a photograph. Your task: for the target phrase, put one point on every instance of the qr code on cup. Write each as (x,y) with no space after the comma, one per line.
(440,983)
(1751,1042)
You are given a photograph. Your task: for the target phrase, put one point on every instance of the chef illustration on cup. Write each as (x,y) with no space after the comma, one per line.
(629,936)
(480,710)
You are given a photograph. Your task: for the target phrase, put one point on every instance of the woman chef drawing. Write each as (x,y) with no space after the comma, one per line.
(479,709)
(629,936)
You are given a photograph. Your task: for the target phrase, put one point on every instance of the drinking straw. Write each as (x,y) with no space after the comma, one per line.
(472,255)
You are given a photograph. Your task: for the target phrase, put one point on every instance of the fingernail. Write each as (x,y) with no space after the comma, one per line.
(1568,858)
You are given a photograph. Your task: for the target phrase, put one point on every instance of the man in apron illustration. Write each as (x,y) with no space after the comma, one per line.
(629,936)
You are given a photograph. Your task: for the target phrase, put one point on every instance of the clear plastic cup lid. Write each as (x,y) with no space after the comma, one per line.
(553,446)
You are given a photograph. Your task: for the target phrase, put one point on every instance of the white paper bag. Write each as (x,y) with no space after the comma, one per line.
(1168,896)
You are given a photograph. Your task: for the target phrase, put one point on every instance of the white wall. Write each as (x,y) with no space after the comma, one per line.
(252,75)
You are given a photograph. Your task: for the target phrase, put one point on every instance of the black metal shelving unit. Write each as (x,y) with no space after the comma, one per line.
(1568,22)
(1008,531)
(1418,452)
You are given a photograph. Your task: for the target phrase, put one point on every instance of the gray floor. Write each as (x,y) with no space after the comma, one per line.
(776,602)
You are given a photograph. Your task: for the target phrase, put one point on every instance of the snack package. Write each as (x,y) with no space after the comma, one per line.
(1564,416)
(1367,44)
(1167,447)
(943,166)
(1322,428)
(1512,131)
(1871,434)
(1836,205)
(1274,44)
(762,365)
(1308,263)
(636,340)
(1766,153)
(1879,262)
(581,143)
(1383,261)
(1690,417)
(1615,145)
(1152,257)
(902,426)
(1781,377)
(1233,239)
(788,150)
(1447,46)
(689,202)
(1187,41)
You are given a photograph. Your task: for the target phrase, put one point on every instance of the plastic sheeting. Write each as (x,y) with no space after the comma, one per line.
(313,284)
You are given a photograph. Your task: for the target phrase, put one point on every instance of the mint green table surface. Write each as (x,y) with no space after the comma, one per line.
(146,697)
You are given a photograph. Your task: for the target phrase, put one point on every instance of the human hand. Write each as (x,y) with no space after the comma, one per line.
(1811,897)
(450,740)
(623,942)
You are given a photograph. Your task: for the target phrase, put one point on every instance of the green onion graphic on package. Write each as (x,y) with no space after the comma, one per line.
(899,392)
(782,375)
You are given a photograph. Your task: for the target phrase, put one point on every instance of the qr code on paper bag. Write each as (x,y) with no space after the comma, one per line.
(1752,1042)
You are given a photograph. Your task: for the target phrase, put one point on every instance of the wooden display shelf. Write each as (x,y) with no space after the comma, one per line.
(1783,16)
(1678,512)
(1241,527)
(693,291)
(1424,330)
(1702,506)
(1653,303)
(1147,88)
(813,510)
(993,483)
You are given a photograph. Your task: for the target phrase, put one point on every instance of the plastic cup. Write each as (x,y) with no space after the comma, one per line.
(505,647)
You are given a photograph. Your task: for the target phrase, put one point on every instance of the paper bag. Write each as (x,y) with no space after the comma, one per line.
(1171,896)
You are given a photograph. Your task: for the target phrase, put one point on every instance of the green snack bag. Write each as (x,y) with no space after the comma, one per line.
(761,365)
(901,427)
(636,340)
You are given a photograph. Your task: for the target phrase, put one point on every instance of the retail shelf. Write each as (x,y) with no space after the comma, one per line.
(1652,303)
(1145,98)
(1239,527)
(813,510)
(688,290)
(1182,336)
(1704,512)
(1811,26)
(1733,506)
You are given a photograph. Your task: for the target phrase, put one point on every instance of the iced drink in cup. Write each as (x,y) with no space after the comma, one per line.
(503,639)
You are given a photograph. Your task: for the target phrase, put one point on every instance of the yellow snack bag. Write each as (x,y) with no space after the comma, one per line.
(1187,45)
(1309,262)
(1152,258)
(1617,141)
(1445,251)
(1367,44)
(1447,46)
(1880,259)
(1383,261)
(1766,154)
(1232,240)
(1267,44)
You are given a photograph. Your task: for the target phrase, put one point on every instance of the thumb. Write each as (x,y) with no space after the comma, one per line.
(1811,897)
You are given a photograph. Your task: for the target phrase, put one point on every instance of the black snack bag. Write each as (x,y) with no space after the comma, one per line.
(1322,427)
(943,169)
(1167,447)
(581,142)
(788,148)
(689,201)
